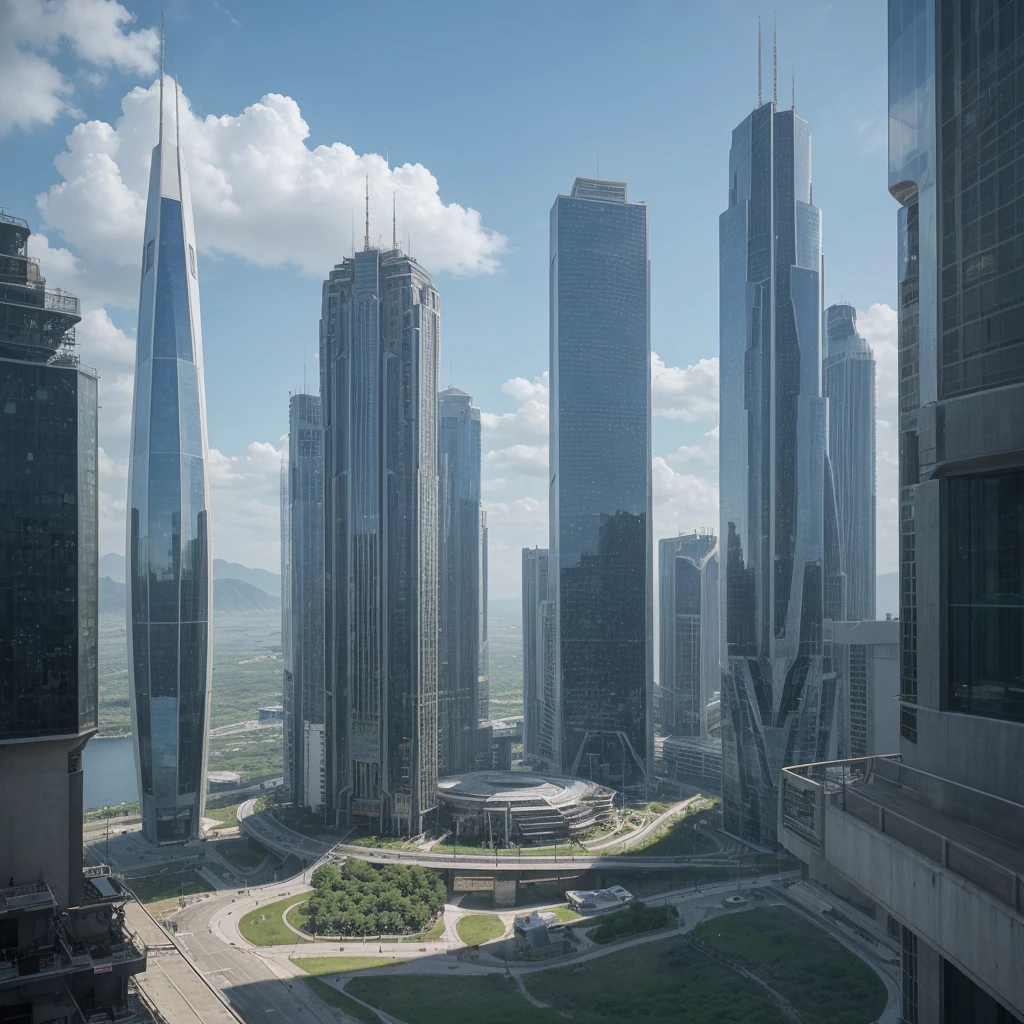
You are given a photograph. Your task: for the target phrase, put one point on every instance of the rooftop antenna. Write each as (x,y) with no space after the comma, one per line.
(161,76)
(759,60)
(394,223)
(794,90)
(366,237)
(775,62)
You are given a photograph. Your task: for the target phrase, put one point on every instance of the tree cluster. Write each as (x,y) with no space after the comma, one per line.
(360,899)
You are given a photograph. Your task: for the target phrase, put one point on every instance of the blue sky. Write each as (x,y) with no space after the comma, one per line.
(505,105)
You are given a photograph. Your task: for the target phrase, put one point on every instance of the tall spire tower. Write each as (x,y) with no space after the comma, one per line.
(169,593)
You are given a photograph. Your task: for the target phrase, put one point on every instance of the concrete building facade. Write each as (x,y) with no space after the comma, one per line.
(380,336)
(933,840)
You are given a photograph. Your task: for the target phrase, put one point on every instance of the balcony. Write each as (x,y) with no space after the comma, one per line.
(944,859)
(22,899)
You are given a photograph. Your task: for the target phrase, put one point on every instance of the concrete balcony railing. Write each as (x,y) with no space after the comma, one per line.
(965,831)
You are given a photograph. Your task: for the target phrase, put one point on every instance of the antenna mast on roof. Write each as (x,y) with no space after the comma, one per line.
(775,62)
(161,77)
(794,90)
(759,60)
(366,237)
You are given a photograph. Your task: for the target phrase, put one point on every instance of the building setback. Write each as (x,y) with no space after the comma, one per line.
(681,610)
(302,607)
(460,569)
(932,842)
(170,583)
(780,560)
(848,381)
(379,354)
(57,930)
(600,491)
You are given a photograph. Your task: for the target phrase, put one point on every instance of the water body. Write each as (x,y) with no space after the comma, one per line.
(109,766)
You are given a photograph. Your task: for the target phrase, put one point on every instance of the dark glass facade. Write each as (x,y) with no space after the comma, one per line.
(779,529)
(459,580)
(600,491)
(680,611)
(303,607)
(537,734)
(379,357)
(168,541)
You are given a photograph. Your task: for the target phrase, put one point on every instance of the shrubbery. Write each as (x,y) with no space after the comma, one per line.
(359,899)
(636,918)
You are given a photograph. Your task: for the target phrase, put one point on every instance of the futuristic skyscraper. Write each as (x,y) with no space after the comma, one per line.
(779,540)
(600,490)
(169,589)
(380,337)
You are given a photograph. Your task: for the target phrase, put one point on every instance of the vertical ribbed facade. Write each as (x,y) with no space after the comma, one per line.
(170,583)
(779,532)
(304,705)
(459,580)
(379,355)
(288,749)
(680,614)
(484,658)
(600,539)
(535,596)
(849,386)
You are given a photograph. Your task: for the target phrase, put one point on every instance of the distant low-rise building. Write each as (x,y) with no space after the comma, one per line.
(593,901)
(539,932)
(268,716)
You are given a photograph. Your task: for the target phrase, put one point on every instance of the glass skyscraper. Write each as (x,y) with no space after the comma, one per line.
(849,385)
(538,717)
(600,492)
(168,544)
(302,607)
(460,546)
(380,337)
(682,607)
(779,543)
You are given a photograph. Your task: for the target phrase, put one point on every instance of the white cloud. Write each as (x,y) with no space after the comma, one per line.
(684,393)
(519,458)
(33,90)
(258,191)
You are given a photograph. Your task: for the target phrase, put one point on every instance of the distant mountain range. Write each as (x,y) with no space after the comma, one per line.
(112,566)
(230,597)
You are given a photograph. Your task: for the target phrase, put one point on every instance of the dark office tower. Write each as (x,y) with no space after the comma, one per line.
(535,595)
(681,609)
(848,381)
(170,582)
(459,577)
(303,605)
(780,560)
(484,678)
(287,667)
(380,337)
(934,840)
(600,491)
(56,927)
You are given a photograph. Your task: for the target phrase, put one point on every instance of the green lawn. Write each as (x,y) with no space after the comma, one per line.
(317,965)
(475,929)
(565,913)
(168,885)
(263,926)
(434,932)
(823,981)
(297,916)
(240,854)
(634,920)
(332,997)
(452,1000)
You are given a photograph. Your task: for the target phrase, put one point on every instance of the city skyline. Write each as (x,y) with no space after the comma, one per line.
(244,465)
(169,573)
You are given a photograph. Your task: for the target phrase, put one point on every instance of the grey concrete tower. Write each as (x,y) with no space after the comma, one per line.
(849,385)
(170,579)
(459,581)
(380,337)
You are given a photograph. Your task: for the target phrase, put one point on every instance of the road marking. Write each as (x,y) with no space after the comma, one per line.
(220,970)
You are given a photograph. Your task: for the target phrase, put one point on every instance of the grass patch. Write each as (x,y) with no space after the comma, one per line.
(263,926)
(679,838)
(381,843)
(317,965)
(432,934)
(239,854)
(825,982)
(168,885)
(452,1000)
(112,811)
(297,917)
(475,929)
(565,913)
(332,997)
(634,920)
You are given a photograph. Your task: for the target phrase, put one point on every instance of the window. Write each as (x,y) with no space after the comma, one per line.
(192,260)
(986,595)
(908,724)
(150,246)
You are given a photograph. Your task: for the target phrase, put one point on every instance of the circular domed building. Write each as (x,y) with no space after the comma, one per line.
(506,808)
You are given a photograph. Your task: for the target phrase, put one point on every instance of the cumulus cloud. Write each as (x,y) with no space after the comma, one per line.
(33,91)
(258,191)
(684,393)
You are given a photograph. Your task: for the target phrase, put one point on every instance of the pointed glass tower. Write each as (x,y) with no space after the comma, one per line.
(168,545)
